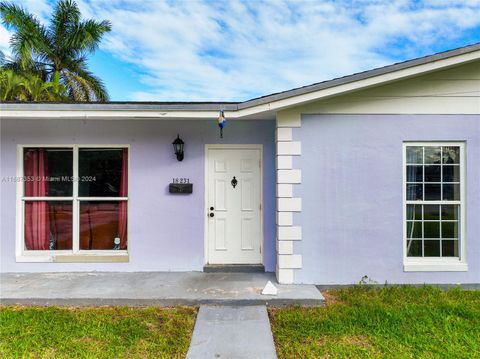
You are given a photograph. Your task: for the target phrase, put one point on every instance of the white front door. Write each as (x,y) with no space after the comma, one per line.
(234,199)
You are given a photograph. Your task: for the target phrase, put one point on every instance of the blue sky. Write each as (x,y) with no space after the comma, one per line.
(234,50)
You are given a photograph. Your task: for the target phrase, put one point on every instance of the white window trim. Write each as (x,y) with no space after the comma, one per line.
(23,255)
(434,264)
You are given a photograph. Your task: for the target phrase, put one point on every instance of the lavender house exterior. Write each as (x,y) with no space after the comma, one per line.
(374,174)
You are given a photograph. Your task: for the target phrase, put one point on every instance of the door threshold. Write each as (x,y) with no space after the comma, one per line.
(232,268)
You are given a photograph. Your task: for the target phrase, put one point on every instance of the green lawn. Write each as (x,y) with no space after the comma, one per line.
(392,322)
(101,332)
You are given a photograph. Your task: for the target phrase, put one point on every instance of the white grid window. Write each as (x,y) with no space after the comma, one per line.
(433,192)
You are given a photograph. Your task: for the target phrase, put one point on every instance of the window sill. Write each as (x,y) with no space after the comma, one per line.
(77,258)
(435,267)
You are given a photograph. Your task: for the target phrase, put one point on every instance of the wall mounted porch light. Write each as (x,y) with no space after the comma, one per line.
(178,148)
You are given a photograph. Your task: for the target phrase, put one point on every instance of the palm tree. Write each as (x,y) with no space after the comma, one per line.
(58,50)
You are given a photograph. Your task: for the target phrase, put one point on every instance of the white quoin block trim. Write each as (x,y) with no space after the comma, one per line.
(287,177)
(284,190)
(285,247)
(289,261)
(289,204)
(284,276)
(284,218)
(284,134)
(289,148)
(290,233)
(284,162)
(288,119)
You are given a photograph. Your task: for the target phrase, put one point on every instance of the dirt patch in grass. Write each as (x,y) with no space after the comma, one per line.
(330,297)
(95,332)
(357,340)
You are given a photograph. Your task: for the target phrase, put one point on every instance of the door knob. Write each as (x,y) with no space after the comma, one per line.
(211,208)
(212,214)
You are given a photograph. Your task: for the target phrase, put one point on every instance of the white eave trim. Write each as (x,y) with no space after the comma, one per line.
(249,108)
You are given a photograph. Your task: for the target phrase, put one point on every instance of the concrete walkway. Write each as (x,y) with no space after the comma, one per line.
(232,332)
(150,288)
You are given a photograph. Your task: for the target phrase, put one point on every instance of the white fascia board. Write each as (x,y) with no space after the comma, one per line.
(109,115)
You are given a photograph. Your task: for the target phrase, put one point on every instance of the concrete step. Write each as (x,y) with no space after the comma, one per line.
(234,268)
(151,288)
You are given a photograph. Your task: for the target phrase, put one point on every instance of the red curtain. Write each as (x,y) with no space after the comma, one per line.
(122,208)
(37,222)
(61,216)
(99,224)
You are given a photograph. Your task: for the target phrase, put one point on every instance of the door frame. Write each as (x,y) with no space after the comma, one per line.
(206,185)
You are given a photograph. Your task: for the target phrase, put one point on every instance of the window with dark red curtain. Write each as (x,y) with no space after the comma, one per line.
(48,221)
(103,209)
(102,188)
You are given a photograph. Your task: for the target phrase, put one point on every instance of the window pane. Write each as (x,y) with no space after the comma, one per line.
(103,225)
(431,229)
(414,248)
(48,225)
(431,212)
(449,212)
(414,229)
(432,192)
(48,172)
(449,248)
(414,192)
(433,174)
(103,172)
(431,248)
(451,173)
(414,173)
(414,154)
(432,154)
(451,192)
(451,154)
(449,229)
(414,211)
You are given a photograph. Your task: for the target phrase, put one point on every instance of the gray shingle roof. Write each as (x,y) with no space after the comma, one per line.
(232,106)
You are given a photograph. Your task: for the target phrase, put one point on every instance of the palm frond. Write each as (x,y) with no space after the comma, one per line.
(96,86)
(11,86)
(66,15)
(30,36)
(79,89)
(86,35)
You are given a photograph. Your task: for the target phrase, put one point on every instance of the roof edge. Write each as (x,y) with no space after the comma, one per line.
(237,106)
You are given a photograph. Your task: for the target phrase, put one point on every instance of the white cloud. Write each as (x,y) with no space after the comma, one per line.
(41,8)
(218,50)
(4,40)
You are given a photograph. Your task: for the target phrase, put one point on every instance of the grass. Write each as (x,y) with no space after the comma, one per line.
(391,322)
(97,332)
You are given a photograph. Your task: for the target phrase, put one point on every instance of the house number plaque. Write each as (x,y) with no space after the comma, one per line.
(180,180)
(180,185)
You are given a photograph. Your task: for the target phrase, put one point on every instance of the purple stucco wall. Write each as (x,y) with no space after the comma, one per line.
(166,232)
(352,196)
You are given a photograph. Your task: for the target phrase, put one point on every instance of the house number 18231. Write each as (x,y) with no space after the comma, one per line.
(181,180)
